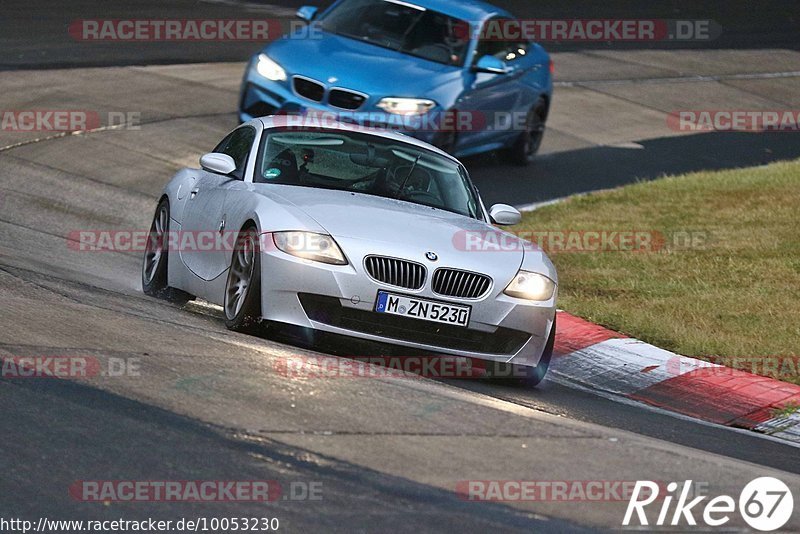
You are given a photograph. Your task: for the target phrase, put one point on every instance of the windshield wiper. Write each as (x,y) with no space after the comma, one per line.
(402,185)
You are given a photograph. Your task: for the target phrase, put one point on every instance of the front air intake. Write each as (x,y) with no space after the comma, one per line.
(395,272)
(461,284)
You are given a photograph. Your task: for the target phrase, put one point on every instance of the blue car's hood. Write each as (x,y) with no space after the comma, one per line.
(360,66)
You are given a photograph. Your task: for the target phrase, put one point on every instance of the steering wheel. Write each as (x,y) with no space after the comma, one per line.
(446,51)
(422,195)
(368,178)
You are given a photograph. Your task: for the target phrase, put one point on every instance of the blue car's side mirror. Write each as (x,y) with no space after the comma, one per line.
(307,13)
(490,64)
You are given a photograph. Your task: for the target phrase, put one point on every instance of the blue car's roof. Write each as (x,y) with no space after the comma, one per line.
(467,10)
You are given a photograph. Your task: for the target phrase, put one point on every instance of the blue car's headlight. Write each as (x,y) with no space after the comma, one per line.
(406,106)
(269,69)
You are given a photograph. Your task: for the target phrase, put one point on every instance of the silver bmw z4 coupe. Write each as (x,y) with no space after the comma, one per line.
(353,231)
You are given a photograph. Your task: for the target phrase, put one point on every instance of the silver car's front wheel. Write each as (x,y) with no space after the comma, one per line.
(242,291)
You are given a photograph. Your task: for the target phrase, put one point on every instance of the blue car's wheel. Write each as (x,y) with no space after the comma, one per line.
(529,141)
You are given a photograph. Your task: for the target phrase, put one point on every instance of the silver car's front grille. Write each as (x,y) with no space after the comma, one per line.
(462,284)
(396,272)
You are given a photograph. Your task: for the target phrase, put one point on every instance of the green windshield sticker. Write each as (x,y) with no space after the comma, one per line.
(272,173)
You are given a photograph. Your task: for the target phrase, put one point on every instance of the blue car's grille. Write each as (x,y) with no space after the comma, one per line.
(342,98)
(308,88)
(395,272)
(462,284)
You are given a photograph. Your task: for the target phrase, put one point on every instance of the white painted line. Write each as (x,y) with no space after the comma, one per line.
(537,205)
(626,365)
(684,79)
(629,145)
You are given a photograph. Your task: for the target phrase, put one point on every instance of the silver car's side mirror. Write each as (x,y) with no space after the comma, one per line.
(218,163)
(490,64)
(504,215)
(306,13)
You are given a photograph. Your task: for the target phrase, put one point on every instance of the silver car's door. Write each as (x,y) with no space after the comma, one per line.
(202,227)
(204,217)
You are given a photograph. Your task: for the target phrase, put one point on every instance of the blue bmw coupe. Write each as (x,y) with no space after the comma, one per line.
(446,72)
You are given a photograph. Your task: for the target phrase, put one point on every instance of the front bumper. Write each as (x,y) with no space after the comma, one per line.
(341,300)
(260,97)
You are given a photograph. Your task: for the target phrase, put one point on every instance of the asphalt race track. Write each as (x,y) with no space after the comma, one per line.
(209,404)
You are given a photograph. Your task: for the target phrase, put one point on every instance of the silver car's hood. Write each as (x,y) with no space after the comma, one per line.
(408,230)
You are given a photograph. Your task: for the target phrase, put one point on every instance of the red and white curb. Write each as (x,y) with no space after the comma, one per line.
(603,360)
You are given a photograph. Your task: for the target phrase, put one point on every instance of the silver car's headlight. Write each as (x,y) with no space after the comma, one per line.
(406,106)
(531,286)
(269,69)
(310,246)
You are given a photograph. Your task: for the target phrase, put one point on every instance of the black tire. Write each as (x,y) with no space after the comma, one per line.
(244,316)
(522,374)
(156,260)
(527,144)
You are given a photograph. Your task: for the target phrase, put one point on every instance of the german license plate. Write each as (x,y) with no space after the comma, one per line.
(423,309)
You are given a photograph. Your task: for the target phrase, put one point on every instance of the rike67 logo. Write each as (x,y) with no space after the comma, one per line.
(765,504)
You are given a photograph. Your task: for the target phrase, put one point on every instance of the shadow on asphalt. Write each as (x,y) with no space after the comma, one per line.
(557,398)
(105,437)
(590,169)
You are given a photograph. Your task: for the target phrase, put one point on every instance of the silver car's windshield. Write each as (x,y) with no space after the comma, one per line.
(364,163)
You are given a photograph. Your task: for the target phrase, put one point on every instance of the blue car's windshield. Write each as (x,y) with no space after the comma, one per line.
(364,163)
(403,27)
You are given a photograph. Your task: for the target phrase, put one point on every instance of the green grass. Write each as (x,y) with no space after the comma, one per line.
(736,296)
